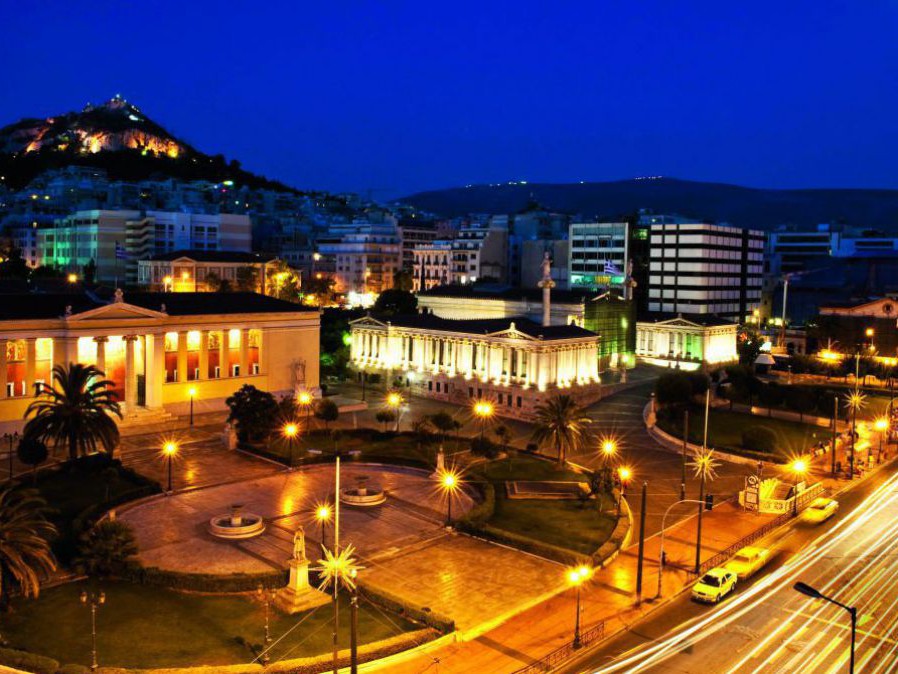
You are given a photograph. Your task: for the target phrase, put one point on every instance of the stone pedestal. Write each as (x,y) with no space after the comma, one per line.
(299,595)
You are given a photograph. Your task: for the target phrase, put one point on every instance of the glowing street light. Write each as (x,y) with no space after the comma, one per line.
(72,278)
(882,426)
(705,466)
(323,514)
(609,449)
(814,593)
(799,469)
(191,392)
(169,449)
(483,409)
(449,481)
(575,578)
(94,600)
(290,431)
(624,474)
(337,569)
(394,401)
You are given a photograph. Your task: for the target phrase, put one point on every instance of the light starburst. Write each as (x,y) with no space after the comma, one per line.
(704,464)
(338,568)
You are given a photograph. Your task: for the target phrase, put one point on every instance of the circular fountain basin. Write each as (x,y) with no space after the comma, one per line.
(236,526)
(362,495)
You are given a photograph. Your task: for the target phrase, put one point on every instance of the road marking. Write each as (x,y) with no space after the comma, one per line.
(840,662)
(786,643)
(821,657)
(842,626)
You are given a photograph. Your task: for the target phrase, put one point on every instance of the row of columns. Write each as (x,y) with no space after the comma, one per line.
(224,350)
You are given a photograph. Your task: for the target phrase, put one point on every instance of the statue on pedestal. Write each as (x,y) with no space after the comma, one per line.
(299,595)
(299,545)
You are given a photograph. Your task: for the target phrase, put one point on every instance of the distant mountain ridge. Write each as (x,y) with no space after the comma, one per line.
(117,137)
(744,206)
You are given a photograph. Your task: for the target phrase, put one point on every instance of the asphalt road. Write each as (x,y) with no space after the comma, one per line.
(769,627)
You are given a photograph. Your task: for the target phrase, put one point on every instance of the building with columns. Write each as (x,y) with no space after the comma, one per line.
(513,362)
(157,348)
(686,342)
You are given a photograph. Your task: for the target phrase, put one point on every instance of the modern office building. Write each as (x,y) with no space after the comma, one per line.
(699,268)
(159,349)
(599,254)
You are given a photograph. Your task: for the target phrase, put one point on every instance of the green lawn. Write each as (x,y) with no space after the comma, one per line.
(141,626)
(725,431)
(369,442)
(567,524)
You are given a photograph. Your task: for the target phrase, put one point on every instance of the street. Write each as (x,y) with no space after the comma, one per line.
(769,627)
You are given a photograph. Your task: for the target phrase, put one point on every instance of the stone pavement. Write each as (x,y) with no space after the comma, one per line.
(609,597)
(171,531)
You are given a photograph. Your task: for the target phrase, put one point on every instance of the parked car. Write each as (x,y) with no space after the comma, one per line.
(714,585)
(747,561)
(820,510)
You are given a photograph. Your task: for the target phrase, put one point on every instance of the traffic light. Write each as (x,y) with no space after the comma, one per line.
(709,501)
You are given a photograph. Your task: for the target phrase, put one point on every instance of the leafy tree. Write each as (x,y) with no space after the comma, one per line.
(25,535)
(32,452)
(283,283)
(673,389)
(75,411)
(402,280)
(443,423)
(562,423)
(423,430)
(246,279)
(327,411)
(214,282)
(503,434)
(322,287)
(254,412)
(90,272)
(385,417)
(13,265)
(748,347)
(395,301)
(106,549)
(484,447)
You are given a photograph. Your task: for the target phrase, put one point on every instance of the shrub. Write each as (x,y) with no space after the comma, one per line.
(30,662)
(253,411)
(673,388)
(759,439)
(106,549)
(203,582)
(327,411)
(484,447)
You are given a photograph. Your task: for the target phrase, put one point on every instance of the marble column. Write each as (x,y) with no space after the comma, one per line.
(101,353)
(3,368)
(224,353)
(30,364)
(182,356)
(130,373)
(244,352)
(204,355)
(154,349)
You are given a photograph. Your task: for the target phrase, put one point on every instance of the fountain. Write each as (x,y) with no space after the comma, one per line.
(362,495)
(237,525)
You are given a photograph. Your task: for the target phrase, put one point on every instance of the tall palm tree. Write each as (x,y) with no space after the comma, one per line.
(561,422)
(76,411)
(25,535)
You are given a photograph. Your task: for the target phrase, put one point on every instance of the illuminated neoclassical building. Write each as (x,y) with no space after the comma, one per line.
(158,348)
(514,362)
(686,342)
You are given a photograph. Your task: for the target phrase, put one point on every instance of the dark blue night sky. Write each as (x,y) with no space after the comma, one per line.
(416,95)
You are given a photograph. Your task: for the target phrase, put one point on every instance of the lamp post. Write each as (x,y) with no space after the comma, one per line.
(94,600)
(685,445)
(291,431)
(353,623)
(705,467)
(609,450)
(170,448)
(483,410)
(813,593)
(624,474)
(641,554)
(323,516)
(576,577)
(661,558)
(338,569)
(832,458)
(305,401)
(855,402)
(449,481)
(191,392)
(394,401)
(798,468)
(266,595)
(882,425)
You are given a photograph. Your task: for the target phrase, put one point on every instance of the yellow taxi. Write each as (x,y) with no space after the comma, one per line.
(714,585)
(747,561)
(820,510)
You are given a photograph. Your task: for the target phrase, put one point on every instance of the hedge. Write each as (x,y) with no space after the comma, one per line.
(483,511)
(39,664)
(423,615)
(204,582)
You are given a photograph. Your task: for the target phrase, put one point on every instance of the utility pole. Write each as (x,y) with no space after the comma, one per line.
(685,446)
(835,421)
(641,557)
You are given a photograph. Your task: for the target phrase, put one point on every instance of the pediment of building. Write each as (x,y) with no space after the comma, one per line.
(115,311)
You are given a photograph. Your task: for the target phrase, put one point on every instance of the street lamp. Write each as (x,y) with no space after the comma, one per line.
(705,466)
(323,516)
(575,578)
(191,393)
(813,593)
(11,438)
(799,468)
(624,473)
(72,278)
(483,410)
(881,425)
(266,595)
(338,568)
(855,402)
(305,401)
(394,400)
(449,481)
(94,600)
(291,431)
(167,281)
(170,448)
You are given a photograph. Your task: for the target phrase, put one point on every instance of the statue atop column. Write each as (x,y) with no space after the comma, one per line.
(546,284)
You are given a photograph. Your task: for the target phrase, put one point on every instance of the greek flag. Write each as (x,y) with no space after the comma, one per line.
(610,269)
(120,252)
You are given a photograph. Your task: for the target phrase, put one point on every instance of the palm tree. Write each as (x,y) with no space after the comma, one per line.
(25,535)
(76,411)
(106,549)
(561,422)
